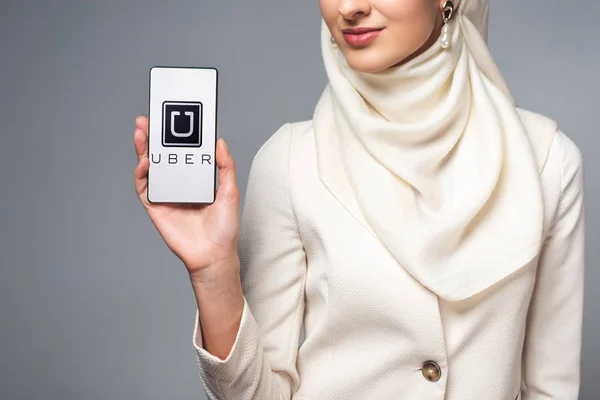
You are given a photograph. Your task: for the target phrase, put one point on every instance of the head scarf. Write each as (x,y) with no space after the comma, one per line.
(433,158)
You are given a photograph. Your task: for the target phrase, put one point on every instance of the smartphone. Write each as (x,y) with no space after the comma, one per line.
(182,134)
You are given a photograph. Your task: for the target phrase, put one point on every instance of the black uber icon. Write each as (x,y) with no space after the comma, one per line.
(182,124)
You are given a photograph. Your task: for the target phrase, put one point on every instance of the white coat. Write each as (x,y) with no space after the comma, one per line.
(370,327)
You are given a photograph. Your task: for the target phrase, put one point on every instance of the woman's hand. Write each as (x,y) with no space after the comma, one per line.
(202,236)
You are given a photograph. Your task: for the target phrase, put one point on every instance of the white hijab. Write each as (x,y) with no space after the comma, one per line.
(434,160)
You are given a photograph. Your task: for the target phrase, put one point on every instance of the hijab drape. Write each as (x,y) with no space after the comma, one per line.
(433,159)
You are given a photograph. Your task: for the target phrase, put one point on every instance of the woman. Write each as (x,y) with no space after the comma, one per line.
(427,232)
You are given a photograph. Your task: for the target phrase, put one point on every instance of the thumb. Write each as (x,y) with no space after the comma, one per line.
(227,173)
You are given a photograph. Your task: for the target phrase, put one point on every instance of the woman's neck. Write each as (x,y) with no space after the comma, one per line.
(435,34)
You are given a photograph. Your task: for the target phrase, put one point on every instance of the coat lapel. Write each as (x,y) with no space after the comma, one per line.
(329,165)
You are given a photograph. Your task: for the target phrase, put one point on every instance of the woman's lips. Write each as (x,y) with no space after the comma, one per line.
(360,36)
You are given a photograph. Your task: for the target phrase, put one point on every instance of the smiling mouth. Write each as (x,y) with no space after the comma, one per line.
(360,31)
(360,36)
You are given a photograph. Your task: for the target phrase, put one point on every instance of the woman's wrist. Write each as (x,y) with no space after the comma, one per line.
(213,276)
(220,300)
(218,291)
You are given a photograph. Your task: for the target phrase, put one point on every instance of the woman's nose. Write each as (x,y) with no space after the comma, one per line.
(353,9)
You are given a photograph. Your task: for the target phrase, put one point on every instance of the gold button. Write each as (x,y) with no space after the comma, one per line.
(431,371)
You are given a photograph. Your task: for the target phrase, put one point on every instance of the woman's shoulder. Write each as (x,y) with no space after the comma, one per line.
(549,141)
(561,171)
(274,153)
(569,157)
(280,141)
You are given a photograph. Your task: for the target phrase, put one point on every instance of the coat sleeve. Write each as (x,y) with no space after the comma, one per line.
(262,362)
(552,352)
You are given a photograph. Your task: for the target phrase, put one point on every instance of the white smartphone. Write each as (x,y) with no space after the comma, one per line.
(182,135)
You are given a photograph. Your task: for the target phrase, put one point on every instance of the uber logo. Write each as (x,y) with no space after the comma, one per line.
(182,124)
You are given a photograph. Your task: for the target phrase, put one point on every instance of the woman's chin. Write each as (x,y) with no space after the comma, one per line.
(370,60)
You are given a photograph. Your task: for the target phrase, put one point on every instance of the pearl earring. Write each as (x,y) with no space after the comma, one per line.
(447,10)
(333,42)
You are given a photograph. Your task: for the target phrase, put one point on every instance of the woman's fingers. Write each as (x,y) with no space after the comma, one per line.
(141,122)
(140,179)
(140,137)
(228,189)
(140,141)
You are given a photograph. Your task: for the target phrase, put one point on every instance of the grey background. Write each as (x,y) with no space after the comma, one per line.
(92,303)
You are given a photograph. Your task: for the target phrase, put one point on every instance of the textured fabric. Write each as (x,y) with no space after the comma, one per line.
(368,324)
(435,160)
